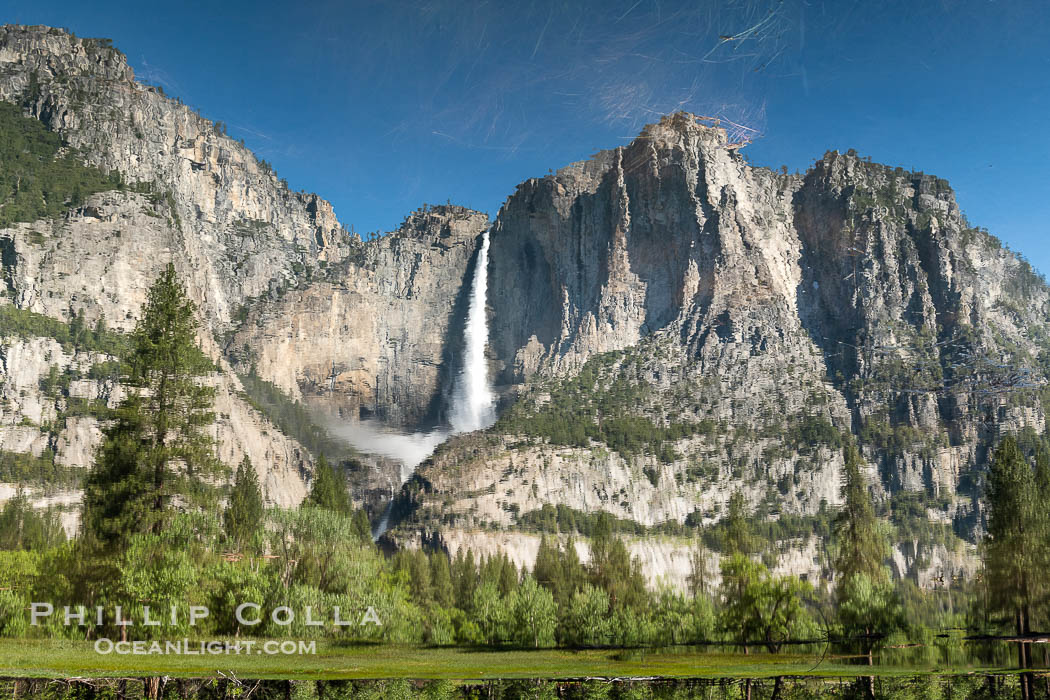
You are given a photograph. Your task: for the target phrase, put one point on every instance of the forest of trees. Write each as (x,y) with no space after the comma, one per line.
(165,524)
(38,179)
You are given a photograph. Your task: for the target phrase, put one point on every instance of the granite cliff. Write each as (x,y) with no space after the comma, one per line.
(668,324)
(705,326)
(283,289)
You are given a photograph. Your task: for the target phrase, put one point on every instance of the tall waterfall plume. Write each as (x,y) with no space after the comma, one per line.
(472,400)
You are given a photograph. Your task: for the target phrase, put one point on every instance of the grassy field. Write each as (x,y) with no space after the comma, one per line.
(64,659)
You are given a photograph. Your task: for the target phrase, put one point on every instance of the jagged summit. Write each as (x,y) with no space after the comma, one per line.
(673,128)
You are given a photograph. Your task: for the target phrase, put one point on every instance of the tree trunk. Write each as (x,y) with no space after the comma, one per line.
(777,682)
(1022,659)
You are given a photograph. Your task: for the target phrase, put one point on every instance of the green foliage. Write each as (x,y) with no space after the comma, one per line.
(1017,547)
(37,179)
(564,519)
(243,517)
(559,569)
(812,431)
(13,622)
(154,571)
(603,403)
(894,440)
(157,450)
(737,538)
(869,607)
(861,544)
(612,568)
(319,561)
(328,489)
(532,615)
(586,621)
(73,336)
(28,469)
(490,614)
(23,527)
(762,609)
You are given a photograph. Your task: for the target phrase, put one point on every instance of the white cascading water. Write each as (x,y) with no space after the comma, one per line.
(472,401)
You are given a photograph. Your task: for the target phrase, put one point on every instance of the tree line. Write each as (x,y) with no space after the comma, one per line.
(165,524)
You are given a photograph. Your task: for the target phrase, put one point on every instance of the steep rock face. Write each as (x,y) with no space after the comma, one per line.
(39,420)
(670,282)
(359,328)
(671,230)
(925,322)
(380,337)
(234,232)
(237,231)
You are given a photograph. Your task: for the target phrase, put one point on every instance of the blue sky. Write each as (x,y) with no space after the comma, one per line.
(382,106)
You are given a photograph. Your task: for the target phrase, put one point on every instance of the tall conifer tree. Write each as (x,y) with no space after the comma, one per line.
(156,453)
(243,516)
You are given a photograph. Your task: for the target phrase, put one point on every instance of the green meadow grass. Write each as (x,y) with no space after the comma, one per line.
(65,659)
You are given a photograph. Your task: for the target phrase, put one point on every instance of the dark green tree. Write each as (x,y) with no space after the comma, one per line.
(441,587)
(464,578)
(558,569)
(738,537)
(157,451)
(862,546)
(612,569)
(362,527)
(868,606)
(244,513)
(23,527)
(1015,548)
(547,569)
(328,490)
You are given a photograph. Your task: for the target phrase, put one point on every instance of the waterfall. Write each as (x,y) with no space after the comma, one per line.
(472,400)
(473,403)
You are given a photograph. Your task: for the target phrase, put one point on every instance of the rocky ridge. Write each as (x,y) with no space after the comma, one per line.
(751,321)
(267,266)
(668,323)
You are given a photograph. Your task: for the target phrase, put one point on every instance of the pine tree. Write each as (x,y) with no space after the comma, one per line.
(244,513)
(868,606)
(1016,545)
(23,527)
(612,569)
(328,490)
(465,577)
(441,587)
(157,452)
(738,538)
(362,527)
(572,570)
(697,570)
(862,547)
(547,569)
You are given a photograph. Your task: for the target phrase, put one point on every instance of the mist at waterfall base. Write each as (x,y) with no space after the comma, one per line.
(472,405)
